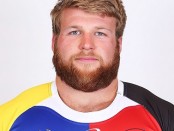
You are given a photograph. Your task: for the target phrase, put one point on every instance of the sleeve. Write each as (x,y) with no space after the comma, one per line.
(11,110)
(161,110)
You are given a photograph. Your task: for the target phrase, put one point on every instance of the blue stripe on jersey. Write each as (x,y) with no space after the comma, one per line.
(40,118)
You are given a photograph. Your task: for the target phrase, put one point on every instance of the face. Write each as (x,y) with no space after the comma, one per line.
(86,52)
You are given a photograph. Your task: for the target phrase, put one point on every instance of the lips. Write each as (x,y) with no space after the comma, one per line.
(86,59)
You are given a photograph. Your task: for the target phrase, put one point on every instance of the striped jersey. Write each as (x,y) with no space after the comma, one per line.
(41,109)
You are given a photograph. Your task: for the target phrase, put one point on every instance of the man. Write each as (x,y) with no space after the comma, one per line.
(87,95)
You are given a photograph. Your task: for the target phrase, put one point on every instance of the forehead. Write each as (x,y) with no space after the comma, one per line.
(79,17)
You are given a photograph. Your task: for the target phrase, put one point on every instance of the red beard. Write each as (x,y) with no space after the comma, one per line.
(83,80)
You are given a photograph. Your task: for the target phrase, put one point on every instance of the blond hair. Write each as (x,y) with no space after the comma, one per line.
(111,8)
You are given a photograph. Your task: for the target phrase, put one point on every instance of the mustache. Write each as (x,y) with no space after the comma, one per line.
(88,54)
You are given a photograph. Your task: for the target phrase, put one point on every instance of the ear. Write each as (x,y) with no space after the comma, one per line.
(119,40)
(53,42)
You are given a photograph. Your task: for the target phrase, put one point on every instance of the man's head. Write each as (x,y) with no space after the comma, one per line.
(112,8)
(87,38)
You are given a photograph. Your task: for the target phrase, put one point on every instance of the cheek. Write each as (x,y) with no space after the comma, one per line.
(66,49)
(107,51)
(109,54)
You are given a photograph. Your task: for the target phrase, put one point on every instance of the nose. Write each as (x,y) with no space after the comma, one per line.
(87,42)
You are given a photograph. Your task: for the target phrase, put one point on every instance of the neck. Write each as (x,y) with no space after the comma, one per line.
(87,101)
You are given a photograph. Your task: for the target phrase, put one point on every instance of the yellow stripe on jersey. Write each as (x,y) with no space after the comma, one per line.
(11,110)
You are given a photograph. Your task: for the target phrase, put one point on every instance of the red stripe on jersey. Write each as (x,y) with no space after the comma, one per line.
(134,118)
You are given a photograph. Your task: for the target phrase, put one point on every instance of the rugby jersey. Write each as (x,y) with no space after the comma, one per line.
(41,109)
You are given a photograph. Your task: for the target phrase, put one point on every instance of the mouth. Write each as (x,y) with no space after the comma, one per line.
(86,59)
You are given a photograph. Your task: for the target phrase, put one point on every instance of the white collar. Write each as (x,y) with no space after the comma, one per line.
(119,103)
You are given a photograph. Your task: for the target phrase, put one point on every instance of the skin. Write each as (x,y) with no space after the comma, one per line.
(84,32)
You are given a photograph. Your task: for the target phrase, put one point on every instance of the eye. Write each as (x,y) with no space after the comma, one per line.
(100,34)
(76,32)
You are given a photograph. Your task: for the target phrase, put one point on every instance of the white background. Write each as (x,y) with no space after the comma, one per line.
(147,57)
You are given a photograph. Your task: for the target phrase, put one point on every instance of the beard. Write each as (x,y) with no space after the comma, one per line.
(86,80)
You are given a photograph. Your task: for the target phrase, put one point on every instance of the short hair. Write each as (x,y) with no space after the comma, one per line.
(111,8)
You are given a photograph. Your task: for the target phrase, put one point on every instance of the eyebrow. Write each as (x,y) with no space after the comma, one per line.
(74,26)
(80,27)
(102,28)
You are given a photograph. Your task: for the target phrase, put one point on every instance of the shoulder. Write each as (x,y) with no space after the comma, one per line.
(31,95)
(162,110)
(12,109)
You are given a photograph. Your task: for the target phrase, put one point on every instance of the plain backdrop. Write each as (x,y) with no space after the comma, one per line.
(147,57)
